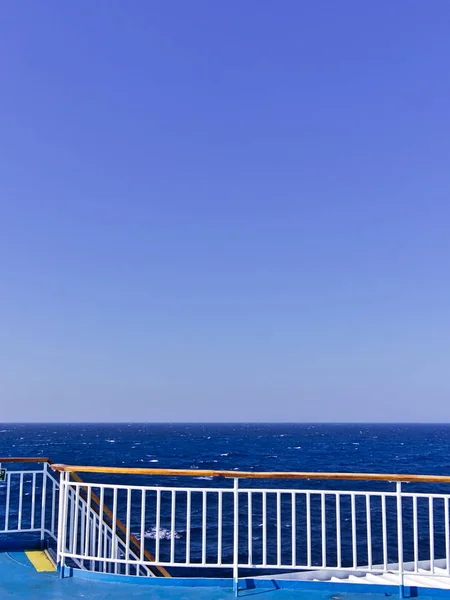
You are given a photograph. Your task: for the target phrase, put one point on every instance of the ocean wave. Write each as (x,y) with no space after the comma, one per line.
(153,460)
(163,534)
(208,477)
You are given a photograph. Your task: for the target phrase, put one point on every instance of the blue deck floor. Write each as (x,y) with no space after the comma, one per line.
(19,580)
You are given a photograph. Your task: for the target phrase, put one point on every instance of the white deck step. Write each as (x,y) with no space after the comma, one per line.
(428,581)
(437,571)
(351,579)
(355,579)
(382,578)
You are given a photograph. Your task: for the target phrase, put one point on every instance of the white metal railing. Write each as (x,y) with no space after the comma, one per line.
(28,502)
(90,536)
(257,529)
(154,512)
(142,529)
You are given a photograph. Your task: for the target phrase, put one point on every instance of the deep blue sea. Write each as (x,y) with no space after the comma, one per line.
(309,447)
(422,449)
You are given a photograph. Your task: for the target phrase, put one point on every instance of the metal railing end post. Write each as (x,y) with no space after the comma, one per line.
(236,537)
(400,538)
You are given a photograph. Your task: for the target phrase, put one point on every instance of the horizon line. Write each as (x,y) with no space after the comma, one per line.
(224,423)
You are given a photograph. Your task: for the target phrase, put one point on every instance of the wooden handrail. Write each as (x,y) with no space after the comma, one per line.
(254,474)
(119,525)
(25,459)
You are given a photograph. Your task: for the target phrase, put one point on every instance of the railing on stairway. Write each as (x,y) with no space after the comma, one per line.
(94,531)
(283,528)
(30,505)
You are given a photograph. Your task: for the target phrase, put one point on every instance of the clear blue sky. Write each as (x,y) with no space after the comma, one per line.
(225,211)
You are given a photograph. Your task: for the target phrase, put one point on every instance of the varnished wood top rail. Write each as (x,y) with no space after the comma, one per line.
(25,459)
(254,474)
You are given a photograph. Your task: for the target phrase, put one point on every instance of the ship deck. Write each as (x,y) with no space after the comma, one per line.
(19,579)
(97,533)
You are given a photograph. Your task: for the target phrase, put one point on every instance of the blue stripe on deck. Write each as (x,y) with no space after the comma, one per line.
(19,580)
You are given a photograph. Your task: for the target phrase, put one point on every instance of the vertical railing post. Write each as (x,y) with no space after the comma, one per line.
(400,537)
(43,502)
(236,537)
(8,495)
(59,524)
(62,526)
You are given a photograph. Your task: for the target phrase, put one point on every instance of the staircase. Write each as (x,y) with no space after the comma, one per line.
(425,575)
(440,579)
